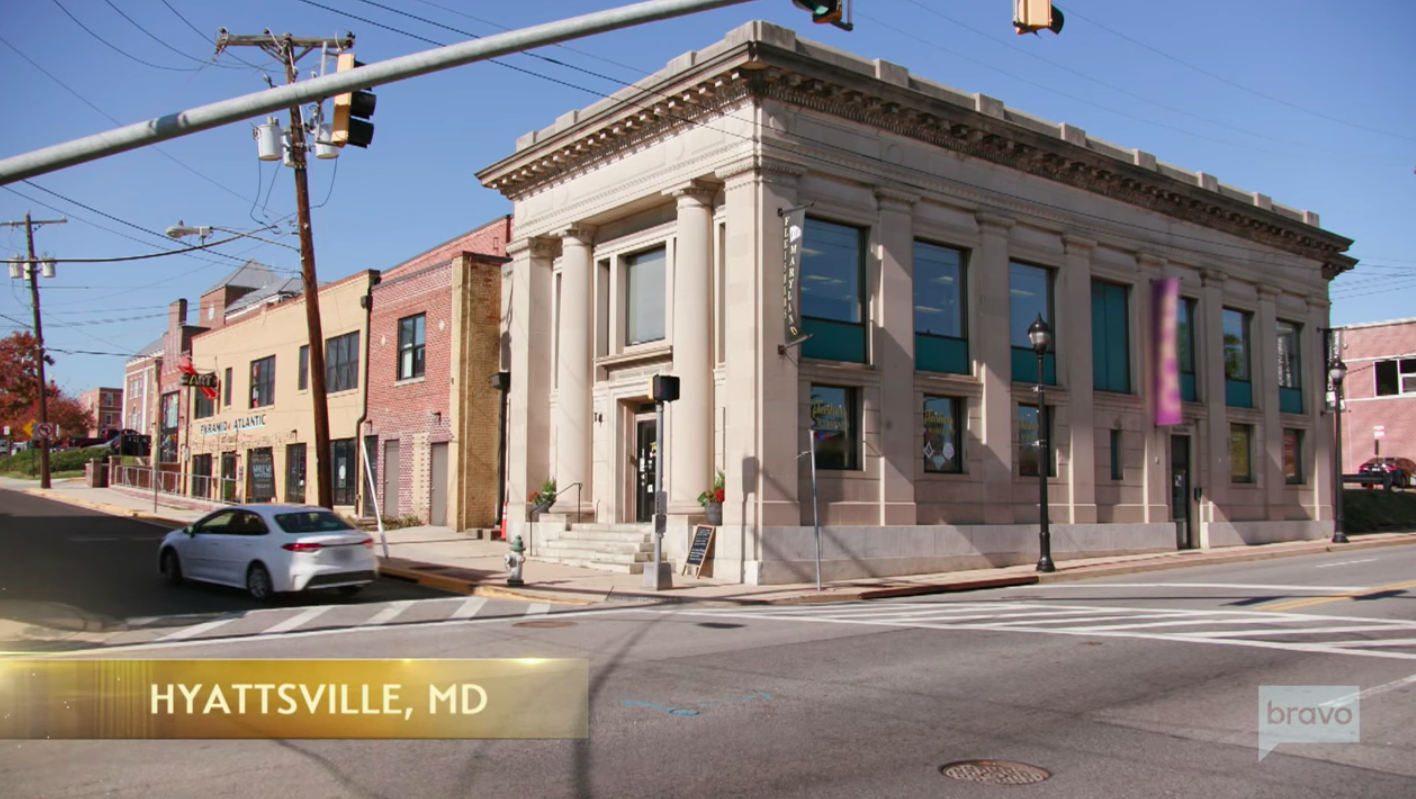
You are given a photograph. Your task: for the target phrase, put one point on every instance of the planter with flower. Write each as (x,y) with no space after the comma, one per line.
(712,501)
(541,501)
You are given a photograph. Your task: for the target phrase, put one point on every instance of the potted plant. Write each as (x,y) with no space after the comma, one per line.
(542,500)
(712,501)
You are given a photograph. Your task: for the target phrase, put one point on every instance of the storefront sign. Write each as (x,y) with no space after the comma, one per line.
(203,380)
(218,428)
(793,221)
(1167,351)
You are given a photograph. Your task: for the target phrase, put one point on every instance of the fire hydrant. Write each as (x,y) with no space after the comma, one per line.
(514,559)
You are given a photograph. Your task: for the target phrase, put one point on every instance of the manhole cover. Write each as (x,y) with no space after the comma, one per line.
(994,772)
(544,624)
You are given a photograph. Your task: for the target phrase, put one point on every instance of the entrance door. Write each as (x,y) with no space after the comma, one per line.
(228,477)
(646,455)
(438,512)
(371,455)
(1180,492)
(390,508)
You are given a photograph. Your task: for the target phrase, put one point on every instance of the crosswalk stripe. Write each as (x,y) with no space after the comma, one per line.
(1073,620)
(1181,623)
(1356,628)
(469,608)
(1377,642)
(538,609)
(296,620)
(388,614)
(198,629)
(1039,616)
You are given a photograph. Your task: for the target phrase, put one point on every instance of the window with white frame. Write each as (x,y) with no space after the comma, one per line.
(644,296)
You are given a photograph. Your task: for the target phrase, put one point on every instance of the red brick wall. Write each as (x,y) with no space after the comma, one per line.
(403,411)
(1362,347)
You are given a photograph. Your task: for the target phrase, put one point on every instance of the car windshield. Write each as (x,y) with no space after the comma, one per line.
(315,521)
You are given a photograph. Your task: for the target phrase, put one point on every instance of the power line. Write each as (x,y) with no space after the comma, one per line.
(197,31)
(118,50)
(1238,85)
(854,154)
(161,42)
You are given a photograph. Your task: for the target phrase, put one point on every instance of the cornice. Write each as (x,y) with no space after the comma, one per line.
(797,79)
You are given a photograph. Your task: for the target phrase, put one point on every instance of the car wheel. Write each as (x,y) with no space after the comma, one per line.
(350,590)
(171,567)
(258,583)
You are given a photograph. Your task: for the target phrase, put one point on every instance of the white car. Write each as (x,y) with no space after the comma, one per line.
(270,549)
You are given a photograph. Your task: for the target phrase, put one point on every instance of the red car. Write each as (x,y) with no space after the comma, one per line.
(1403,470)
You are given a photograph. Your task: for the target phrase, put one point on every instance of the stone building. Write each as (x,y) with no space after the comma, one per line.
(432,412)
(938,225)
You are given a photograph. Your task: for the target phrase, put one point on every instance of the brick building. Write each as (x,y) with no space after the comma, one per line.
(106,405)
(432,413)
(1380,391)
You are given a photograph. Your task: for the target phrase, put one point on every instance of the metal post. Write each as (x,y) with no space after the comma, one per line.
(373,492)
(33,266)
(184,123)
(1339,533)
(660,578)
(504,384)
(1044,561)
(815,509)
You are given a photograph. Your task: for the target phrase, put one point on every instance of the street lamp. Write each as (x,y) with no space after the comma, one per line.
(1337,372)
(1041,337)
(203,232)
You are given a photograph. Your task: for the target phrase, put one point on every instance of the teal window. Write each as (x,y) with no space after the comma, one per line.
(1185,335)
(1030,296)
(943,446)
(644,300)
(1290,375)
(1116,472)
(1238,388)
(835,423)
(1111,356)
(833,291)
(1028,442)
(941,343)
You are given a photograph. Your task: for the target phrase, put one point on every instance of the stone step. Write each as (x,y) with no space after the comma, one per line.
(605,536)
(568,550)
(609,548)
(622,568)
(616,527)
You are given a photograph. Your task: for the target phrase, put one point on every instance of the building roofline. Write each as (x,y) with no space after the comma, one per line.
(1386,323)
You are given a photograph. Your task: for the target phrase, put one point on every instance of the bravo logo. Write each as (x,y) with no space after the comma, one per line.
(1308,714)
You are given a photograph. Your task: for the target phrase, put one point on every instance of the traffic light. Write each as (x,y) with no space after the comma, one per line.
(823,12)
(352,112)
(1031,16)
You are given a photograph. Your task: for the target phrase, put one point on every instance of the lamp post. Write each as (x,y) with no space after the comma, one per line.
(1041,337)
(204,232)
(1337,372)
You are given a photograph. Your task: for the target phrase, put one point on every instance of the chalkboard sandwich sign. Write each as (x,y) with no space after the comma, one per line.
(698,549)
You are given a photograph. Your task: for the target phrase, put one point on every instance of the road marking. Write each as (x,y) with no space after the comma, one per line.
(1354,594)
(296,620)
(198,629)
(1377,642)
(388,614)
(538,609)
(469,608)
(1354,628)
(1307,588)
(1373,691)
(1346,563)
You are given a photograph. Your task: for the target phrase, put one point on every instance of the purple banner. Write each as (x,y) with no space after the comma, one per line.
(1167,351)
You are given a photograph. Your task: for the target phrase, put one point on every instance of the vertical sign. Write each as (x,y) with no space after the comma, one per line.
(1167,351)
(793,222)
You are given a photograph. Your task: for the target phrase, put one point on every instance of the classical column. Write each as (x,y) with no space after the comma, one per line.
(1080,380)
(990,340)
(691,417)
(894,357)
(1264,372)
(1155,463)
(573,370)
(1318,464)
(527,346)
(1214,474)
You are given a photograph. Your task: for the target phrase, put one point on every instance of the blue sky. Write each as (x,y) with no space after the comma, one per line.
(1306,101)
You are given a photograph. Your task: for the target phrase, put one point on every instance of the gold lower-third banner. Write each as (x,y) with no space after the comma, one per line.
(294,699)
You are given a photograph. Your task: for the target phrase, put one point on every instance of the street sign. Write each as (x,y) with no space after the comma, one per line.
(44,431)
(29,428)
(1379,431)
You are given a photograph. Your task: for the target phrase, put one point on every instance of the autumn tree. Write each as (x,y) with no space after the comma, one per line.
(19,390)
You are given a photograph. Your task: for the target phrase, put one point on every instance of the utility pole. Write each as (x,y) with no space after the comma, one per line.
(284,48)
(32,268)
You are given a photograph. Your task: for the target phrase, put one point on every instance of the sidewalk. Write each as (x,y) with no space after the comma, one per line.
(451,561)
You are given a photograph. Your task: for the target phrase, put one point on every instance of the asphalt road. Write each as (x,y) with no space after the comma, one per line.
(105,567)
(1129,687)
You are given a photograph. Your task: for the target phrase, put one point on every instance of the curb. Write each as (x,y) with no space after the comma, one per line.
(112,510)
(473,588)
